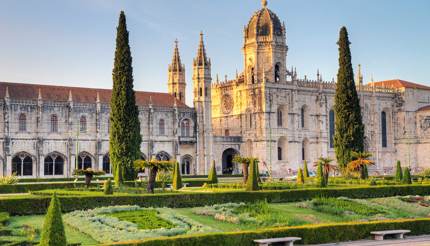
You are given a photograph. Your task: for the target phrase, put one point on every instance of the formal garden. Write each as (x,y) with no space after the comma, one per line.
(339,203)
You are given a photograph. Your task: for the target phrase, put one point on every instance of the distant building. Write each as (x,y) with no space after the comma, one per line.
(267,111)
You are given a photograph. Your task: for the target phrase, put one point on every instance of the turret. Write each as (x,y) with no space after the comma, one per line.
(176,82)
(202,103)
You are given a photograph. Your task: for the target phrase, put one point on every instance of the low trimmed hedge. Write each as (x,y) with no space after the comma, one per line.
(310,234)
(38,205)
(24,188)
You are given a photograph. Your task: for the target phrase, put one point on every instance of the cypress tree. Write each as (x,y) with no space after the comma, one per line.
(53,233)
(305,169)
(407,176)
(399,173)
(300,177)
(349,128)
(321,182)
(213,179)
(177,179)
(252,181)
(125,136)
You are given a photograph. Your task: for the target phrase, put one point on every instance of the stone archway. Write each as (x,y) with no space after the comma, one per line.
(227,160)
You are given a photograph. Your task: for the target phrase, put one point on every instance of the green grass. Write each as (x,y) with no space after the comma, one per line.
(338,206)
(36,222)
(145,219)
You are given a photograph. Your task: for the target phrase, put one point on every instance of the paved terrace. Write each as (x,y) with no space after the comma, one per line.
(409,241)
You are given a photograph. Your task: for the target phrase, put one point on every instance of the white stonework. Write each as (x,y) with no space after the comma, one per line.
(265,112)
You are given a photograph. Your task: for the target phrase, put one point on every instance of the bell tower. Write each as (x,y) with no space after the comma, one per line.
(202,103)
(265,49)
(176,81)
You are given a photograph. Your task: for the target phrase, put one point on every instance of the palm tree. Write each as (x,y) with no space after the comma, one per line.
(360,162)
(327,166)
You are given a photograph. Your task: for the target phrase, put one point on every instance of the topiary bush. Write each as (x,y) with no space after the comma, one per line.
(252,182)
(399,173)
(53,233)
(305,169)
(213,179)
(407,176)
(107,187)
(320,176)
(177,179)
(300,177)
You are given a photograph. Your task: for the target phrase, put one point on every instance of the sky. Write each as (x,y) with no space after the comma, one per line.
(72,42)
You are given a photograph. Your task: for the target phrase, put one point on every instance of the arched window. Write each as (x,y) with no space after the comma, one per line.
(22,122)
(54,123)
(22,165)
(250,120)
(227,132)
(83,124)
(277,72)
(282,148)
(384,129)
(331,128)
(106,164)
(305,150)
(185,128)
(161,127)
(252,76)
(163,156)
(303,117)
(280,117)
(180,96)
(53,165)
(186,165)
(84,161)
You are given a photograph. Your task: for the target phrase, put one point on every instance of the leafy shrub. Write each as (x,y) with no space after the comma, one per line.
(399,173)
(9,180)
(300,177)
(177,180)
(53,233)
(407,176)
(4,218)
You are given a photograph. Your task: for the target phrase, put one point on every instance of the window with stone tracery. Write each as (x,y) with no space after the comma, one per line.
(22,122)
(54,123)
(161,127)
(384,129)
(83,124)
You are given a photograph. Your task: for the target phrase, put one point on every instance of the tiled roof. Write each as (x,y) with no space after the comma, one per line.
(397,83)
(22,91)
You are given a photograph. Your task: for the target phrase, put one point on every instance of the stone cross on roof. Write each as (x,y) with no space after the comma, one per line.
(264,3)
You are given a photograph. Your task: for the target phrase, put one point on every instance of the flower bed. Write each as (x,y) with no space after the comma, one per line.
(102,224)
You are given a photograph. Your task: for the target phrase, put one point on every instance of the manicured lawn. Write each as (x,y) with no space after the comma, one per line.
(36,222)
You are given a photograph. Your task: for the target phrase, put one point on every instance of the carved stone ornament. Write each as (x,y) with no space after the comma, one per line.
(227,104)
(425,123)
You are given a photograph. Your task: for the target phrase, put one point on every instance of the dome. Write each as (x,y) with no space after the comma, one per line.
(264,23)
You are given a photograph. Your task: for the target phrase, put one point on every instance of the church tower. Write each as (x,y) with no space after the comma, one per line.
(265,49)
(176,81)
(202,103)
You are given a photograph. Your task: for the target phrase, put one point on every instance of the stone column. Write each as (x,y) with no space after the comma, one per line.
(8,165)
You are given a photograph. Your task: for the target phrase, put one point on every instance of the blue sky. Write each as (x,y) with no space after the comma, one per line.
(71,42)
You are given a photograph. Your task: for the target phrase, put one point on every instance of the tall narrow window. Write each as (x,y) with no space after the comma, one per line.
(303,151)
(384,129)
(185,128)
(54,123)
(331,128)
(279,153)
(280,120)
(200,91)
(302,117)
(22,122)
(106,164)
(161,127)
(83,124)
(277,72)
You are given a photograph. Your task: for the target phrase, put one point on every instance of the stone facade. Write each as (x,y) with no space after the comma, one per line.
(267,111)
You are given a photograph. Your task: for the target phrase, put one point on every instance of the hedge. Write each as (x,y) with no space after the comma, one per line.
(37,204)
(25,187)
(310,234)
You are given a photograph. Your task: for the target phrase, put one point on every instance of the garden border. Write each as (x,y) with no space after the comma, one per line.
(38,204)
(310,234)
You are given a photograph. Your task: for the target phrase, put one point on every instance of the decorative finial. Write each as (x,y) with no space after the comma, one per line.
(264,3)
(39,95)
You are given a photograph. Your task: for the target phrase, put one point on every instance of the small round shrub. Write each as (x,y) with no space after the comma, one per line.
(107,187)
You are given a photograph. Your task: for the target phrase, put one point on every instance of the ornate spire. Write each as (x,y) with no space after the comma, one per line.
(70,96)
(176,61)
(6,94)
(264,3)
(39,94)
(201,59)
